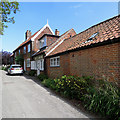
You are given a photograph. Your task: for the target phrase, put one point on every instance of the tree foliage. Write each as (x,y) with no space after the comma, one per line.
(19,59)
(6,10)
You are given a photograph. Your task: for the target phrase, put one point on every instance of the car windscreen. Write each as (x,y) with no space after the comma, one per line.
(16,66)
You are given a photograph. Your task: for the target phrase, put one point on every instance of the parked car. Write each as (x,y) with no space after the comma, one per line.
(15,69)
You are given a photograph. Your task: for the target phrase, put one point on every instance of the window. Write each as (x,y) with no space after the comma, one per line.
(55,61)
(19,51)
(41,64)
(25,49)
(28,62)
(92,36)
(29,48)
(43,42)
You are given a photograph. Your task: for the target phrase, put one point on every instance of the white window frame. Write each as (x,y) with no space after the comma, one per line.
(28,62)
(28,47)
(24,49)
(55,61)
(41,64)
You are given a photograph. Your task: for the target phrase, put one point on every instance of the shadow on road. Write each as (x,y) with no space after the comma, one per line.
(72,103)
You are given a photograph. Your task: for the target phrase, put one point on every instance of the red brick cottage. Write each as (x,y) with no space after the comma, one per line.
(47,44)
(93,52)
(31,45)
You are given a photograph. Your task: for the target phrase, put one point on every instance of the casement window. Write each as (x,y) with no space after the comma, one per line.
(19,51)
(55,61)
(29,48)
(43,42)
(28,62)
(41,64)
(24,49)
(33,65)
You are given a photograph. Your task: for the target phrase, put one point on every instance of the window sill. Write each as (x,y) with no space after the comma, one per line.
(55,66)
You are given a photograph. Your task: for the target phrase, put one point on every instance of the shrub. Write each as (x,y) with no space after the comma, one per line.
(104,99)
(42,77)
(49,83)
(5,68)
(32,73)
(72,86)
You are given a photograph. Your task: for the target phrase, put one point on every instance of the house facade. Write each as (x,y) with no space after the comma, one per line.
(93,52)
(30,46)
(47,44)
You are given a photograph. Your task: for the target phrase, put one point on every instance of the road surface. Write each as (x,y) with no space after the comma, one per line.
(24,98)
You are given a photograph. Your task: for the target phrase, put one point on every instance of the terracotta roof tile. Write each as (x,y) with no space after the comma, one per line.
(108,29)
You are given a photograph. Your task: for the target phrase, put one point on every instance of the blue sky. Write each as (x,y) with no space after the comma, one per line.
(63,16)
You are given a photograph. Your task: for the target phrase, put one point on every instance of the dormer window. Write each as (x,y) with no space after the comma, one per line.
(43,42)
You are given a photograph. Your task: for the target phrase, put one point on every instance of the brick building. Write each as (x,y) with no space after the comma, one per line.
(30,46)
(93,52)
(47,44)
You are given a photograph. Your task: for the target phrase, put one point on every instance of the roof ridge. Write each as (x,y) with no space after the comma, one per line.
(96,25)
(57,41)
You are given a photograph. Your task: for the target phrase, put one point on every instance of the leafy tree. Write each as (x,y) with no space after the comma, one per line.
(19,59)
(6,10)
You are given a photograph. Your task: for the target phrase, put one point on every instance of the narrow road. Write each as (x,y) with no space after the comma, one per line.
(24,98)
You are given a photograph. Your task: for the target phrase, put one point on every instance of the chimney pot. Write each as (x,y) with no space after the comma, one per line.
(57,32)
(27,34)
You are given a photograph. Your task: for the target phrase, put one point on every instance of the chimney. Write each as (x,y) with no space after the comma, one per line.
(57,32)
(27,34)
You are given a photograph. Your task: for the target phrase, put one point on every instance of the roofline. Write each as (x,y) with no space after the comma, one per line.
(47,25)
(58,43)
(97,24)
(109,41)
(22,46)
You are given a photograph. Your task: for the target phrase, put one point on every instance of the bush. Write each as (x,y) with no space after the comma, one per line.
(32,73)
(72,86)
(49,83)
(104,99)
(5,68)
(42,77)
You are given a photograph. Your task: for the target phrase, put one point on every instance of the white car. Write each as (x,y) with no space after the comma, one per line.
(15,69)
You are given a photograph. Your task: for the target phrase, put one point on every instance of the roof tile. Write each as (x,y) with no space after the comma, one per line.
(108,29)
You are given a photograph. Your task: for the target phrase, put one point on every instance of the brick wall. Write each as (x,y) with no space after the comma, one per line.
(100,62)
(36,42)
(51,40)
(54,72)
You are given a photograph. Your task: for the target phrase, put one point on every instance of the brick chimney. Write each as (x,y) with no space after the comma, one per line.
(27,34)
(57,32)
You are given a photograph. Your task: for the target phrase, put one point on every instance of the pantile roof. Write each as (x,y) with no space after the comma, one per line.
(104,31)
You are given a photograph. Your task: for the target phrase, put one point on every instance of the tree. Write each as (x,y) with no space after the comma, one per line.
(19,59)
(6,10)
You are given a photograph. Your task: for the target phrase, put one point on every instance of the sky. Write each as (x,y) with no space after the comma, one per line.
(61,15)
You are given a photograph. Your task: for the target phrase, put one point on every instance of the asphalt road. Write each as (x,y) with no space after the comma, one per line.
(24,98)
